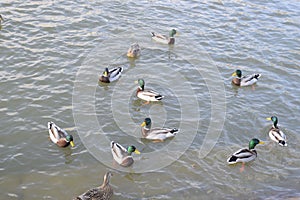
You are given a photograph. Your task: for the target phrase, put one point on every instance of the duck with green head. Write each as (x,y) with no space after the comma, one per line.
(103,192)
(156,134)
(134,51)
(59,136)
(122,155)
(147,95)
(163,38)
(245,155)
(244,80)
(275,133)
(109,76)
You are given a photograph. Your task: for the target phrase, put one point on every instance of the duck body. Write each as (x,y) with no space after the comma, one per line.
(59,136)
(134,51)
(163,38)
(147,95)
(156,134)
(103,192)
(245,155)
(122,155)
(244,80)
(275,133)
(109,76)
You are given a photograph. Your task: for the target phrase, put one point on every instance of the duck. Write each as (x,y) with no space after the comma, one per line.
(122,155)
(156,134)
(163,38)
(103,192)
(109,76)
(275,133)
(245,155)
(134,51)
(147,95)
(59,136)
(244,80)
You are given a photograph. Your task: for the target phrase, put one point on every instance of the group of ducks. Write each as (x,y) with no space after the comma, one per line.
(120,154)
(123,156)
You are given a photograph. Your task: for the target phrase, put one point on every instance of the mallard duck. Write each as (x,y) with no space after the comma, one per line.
(111,75)
(163,38)
(275,133)
(59,136)
(245,155)
(156,134)
(147,95)
(244,80)
(134,51)
(121,155)
(103,192)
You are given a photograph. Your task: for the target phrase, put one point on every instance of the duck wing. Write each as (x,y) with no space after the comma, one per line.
(115,73)
(250,79)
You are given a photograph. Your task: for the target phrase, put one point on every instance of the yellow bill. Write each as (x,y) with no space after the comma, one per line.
(72,143)
(261,142)
(143,124)
(137,151)
(234,74)
(269,118)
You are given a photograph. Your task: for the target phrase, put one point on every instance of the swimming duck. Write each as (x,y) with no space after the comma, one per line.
(111,75)
(245,155)
(59,136)
(244,80)
(147,95)
(134,51)
(163,38)
(103,192)
(156,134)
(275,133)
(122,155)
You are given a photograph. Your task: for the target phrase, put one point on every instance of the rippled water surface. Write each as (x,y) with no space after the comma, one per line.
(52,53)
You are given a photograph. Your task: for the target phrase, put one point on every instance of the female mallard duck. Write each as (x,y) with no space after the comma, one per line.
(147,95)
(111,75)
(134,51)
(245,155)
(156,134)
(121,155)
(275,133)
(103,192)
(163,38)
(244,80)
(59,136)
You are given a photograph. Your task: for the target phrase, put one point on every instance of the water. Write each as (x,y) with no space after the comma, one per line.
(46,47)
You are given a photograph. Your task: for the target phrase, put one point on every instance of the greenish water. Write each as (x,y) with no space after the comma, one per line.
(53,52)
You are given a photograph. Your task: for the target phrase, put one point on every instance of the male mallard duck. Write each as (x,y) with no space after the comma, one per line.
(163,38)
(244,80)
(134,51)
(275,133)
(156,134)
(245,155)
(122,155)
(111,75)
(59,136)
(147,95)
(103,192)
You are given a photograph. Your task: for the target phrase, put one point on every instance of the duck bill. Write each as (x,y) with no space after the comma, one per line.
(137,152)
(261,142)
(72,144)
(234,74)
(269,118)
(143,124)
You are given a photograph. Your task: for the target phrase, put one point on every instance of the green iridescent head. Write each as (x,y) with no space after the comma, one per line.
(132,149)
(274,119)
(254,142)
(237,73)
(172,32)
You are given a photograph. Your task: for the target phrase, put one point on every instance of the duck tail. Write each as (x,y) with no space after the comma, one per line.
(282,143)
(153,34)
(50,125)
(257,76)
(232,159)
(112,144)
(159,97)
(174,130)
